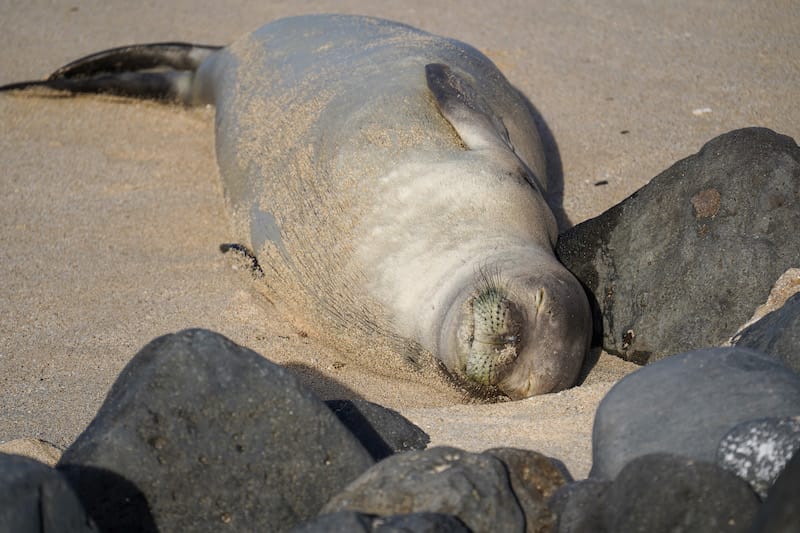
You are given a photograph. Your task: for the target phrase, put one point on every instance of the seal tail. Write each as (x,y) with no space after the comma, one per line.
(157,71)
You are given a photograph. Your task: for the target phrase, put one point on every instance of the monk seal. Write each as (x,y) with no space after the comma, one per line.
(390,184)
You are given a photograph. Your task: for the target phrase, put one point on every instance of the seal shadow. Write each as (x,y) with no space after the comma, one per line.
(555,199)
(591,360)
(554,168)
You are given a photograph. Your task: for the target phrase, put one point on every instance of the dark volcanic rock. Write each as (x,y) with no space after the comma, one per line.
(420,523)
(474,487)
(341,522)
(380,430)
(579,506)
(684,261)
(781,512)
(658,492)
(686,403)
(758,450)
(35,498)
(666,493)
(353,522)
(204,434)
(534,479)
(777,334)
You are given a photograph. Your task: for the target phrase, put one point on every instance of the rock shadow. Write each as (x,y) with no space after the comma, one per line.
(358,424)
(323,386)
(113,502)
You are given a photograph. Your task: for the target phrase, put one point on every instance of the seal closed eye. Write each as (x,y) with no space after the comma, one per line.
(377,173)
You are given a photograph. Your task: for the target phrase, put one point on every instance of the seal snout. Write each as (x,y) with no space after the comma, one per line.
(521,335)
(557,328)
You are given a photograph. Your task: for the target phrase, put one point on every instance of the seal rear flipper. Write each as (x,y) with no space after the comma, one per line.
(137,57)
(158,71)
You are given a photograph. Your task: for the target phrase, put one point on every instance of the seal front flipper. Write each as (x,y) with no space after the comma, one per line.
(157,71)
(465,109)
(471,116)
(244,252)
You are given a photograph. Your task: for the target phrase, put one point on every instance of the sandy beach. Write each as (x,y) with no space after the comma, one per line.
(113,210)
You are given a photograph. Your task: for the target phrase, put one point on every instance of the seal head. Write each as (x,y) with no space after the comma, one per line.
(517,335)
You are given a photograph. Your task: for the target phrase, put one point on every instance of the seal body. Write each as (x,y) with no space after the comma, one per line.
(390,183)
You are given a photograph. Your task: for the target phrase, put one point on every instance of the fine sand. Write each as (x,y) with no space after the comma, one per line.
(112,210)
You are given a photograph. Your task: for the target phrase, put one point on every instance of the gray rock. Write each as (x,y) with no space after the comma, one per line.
(781,513)
(341,522)
(684,261)
(474,487)
(657,492)
(353,522)
(420,523)
(380,430)
(685,405)
(777,334)
(534,479)
(35,498)
(579,506)
(667,493)
(204,434)
(758,450)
